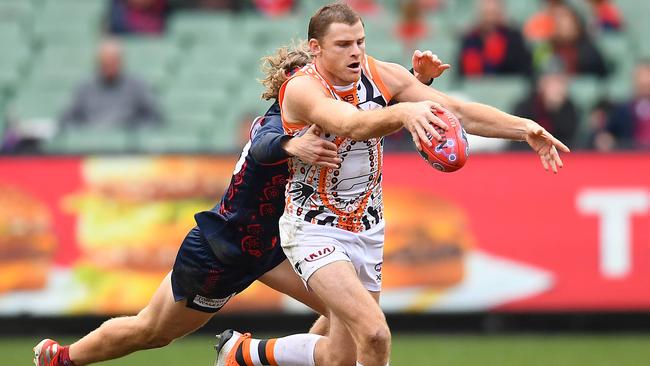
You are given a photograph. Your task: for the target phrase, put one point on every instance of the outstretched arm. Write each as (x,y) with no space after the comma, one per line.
(478,119)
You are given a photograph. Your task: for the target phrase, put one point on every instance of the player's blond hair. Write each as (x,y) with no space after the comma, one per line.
(281,64)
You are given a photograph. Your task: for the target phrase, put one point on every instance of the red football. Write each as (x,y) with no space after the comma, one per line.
(451,153)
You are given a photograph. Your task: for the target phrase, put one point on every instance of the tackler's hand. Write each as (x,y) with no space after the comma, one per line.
(313,149)
(427,66)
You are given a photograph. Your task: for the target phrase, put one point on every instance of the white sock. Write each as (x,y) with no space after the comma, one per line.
(294,350)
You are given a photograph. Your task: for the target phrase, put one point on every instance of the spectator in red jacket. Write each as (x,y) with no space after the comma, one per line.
(412,27)
(607,16)
(274,8)
(492,46)
(365,7)
(137,16)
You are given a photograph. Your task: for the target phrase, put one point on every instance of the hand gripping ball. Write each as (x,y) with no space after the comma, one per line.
(451,153)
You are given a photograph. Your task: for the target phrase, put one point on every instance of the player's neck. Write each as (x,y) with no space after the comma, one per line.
(343,88)
(332,79)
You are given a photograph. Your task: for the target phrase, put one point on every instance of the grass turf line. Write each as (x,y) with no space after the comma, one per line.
(411,350)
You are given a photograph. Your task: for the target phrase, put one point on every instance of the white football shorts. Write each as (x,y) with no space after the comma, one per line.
(310,247)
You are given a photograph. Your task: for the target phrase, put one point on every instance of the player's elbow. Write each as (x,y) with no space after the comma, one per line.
(357,130)
(359,134)
(256,153)
(349,129)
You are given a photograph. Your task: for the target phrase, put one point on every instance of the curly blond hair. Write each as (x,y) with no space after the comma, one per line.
(279,65)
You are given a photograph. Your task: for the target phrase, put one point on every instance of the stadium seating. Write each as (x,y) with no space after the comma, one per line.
(194,26)
(97,141)
(151,59)
(205,68)
(16,11)
(212,78)
(619,84)
(500,92)
(3,119)
(174,140)
(586,91)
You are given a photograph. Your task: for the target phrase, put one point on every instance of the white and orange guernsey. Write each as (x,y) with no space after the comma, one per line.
(348,198)
(337,214)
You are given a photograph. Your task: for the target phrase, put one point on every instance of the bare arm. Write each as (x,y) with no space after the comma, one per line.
(478,119)
(306,102)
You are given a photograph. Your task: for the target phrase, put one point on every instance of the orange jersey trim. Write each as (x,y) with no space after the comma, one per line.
(289,127)
(307,70)
(374,74)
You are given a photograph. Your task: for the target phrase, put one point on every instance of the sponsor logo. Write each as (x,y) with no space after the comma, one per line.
(321,253)
(211,303)
(378,270)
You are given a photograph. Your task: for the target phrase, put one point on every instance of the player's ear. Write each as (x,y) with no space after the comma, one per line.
(314,47)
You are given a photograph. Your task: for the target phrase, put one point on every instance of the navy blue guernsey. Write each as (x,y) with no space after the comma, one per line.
(243,227)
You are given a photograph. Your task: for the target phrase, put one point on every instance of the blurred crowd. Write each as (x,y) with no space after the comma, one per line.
(553,47)
(149,16)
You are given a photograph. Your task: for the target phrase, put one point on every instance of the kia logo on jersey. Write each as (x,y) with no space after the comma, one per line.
(321,253)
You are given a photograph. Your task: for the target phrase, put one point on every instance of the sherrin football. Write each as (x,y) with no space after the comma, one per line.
(450,153)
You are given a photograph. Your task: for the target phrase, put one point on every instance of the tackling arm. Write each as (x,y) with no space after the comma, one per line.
(270,145)
(267,145)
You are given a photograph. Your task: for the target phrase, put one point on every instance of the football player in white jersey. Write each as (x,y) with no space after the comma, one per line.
(332,228)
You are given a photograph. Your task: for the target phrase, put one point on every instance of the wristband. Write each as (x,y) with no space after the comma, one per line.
(427,83)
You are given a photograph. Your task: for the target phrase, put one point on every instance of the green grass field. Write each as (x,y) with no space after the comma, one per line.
(453,350)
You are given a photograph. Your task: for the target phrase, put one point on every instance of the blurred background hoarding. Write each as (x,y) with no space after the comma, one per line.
(95,235)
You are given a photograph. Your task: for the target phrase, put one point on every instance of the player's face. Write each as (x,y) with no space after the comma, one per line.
(340,53)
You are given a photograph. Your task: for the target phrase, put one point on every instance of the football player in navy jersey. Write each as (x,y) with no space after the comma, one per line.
(234,244)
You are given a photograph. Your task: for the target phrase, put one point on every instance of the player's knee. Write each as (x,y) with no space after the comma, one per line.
(149,334)
(377,338)
(345,354)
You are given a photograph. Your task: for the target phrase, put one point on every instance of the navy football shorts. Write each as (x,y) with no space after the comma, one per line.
(205,282)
